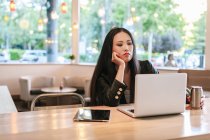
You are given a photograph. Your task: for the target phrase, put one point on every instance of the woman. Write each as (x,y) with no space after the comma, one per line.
(114,76)
(171,61)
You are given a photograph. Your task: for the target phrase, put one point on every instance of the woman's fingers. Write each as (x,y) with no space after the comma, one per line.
(113,56)
(116,59)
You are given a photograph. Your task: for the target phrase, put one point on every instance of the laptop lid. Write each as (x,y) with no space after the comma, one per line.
(158,94)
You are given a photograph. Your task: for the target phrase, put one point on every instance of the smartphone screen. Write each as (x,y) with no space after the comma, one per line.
(92,115)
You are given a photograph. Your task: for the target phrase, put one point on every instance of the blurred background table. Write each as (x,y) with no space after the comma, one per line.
(58,90)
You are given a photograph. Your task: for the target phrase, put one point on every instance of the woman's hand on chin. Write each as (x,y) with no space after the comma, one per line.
(117,60)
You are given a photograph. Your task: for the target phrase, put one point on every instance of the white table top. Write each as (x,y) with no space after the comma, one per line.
(58,90)
(207,94)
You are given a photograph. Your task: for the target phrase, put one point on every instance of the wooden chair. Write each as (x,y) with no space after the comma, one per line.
(6,103)
(197,78)
(58,106)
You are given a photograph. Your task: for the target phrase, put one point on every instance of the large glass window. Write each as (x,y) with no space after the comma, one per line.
(35,31)
(170,33)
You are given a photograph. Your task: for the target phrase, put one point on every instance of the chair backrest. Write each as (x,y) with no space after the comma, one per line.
(37,98)
(79,82)
(6,103)
(197,78)
(75,81)
(28,83)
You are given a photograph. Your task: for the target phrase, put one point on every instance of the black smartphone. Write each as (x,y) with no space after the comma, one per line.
(92,115)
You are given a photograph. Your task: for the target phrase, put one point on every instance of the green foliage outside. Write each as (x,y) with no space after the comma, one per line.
(199,36)
(156,17)
(15,54)
(89,58)
(21,28)
(119,11)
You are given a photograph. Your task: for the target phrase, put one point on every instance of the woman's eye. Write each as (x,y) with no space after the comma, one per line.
(130,43)
(119,45)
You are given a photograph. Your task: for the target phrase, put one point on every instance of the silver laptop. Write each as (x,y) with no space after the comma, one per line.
(158,94)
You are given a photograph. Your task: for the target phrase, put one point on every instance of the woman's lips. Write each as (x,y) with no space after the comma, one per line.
(126,54)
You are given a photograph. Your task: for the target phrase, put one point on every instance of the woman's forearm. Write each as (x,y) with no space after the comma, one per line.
(120,73)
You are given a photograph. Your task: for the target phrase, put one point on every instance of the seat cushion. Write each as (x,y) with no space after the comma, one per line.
(36,92)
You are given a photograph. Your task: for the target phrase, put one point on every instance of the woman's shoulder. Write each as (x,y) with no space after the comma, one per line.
(144,62)
(146,67)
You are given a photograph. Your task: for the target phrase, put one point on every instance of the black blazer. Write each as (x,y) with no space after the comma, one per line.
(111,93)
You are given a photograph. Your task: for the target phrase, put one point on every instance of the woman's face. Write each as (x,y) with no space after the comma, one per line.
(123,46)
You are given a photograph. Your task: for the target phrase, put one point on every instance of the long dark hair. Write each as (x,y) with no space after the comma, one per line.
(107,67)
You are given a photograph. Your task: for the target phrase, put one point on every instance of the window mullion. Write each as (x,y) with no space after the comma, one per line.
(75,29)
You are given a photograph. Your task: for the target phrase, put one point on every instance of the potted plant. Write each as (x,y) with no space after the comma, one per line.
(72,58)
